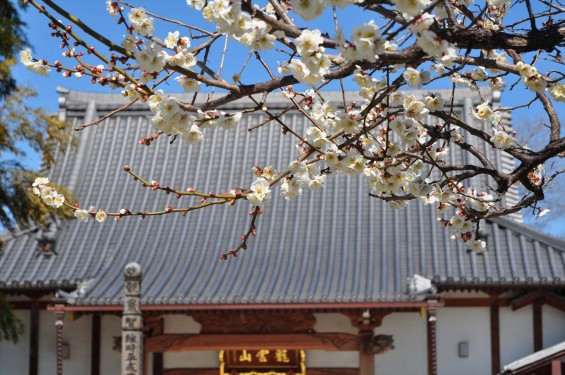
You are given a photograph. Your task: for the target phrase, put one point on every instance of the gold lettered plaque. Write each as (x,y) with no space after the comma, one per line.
(262,362)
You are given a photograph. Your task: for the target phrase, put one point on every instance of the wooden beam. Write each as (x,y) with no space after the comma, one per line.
(494,336)
(26,305)
(309,371)
(538,324)
(34,339)
(305,341)
(474,302)
(95,345)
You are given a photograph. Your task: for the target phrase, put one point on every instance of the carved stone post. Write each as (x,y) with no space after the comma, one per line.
(59,316)
(132,322)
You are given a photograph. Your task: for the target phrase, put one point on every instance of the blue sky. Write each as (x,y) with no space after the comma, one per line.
(94,13)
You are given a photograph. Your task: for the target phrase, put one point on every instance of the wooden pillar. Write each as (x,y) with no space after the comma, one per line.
(157,363)
(538,324)
(366,356)
(155,326)
(556,367)
(95,343)
(366,321)
(34,338)
(59,316)
(431,315)
(494,336)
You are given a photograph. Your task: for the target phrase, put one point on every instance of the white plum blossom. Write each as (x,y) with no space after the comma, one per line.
(196,4)
(112,8)
(82,215)
(434,103)
(558,92)
(416,78)
(433,45)
(194,135)
(308,42)
(484,112)
(535,82)
(411,8)
(100,216)
(502,140)
(479,74)
(35,66)
(497,83)
(229,121)
(526,70)
(307,9)
(172,39)
(291,188)
(260,192)
(188,84)
(476,246)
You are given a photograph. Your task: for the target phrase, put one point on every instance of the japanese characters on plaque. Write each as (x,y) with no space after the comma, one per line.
(132,322)
(264,361)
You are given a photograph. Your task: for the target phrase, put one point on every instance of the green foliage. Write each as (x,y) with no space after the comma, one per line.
(24,128)
(10,326)
(12,40)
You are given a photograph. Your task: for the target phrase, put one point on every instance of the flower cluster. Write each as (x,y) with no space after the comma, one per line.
(48,194)
(231,20)
(366,43)
(51,198)
(397,142)
(502,140)
(39,67)
(314,64)
(141,22)
(83,215)
(484,112)
(170,118)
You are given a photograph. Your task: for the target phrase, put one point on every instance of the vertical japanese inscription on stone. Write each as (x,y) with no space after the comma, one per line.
(132,322)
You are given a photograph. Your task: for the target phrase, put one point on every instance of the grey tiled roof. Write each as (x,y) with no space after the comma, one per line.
(333,245)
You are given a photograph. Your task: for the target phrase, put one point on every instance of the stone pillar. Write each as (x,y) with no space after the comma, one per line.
(132,322)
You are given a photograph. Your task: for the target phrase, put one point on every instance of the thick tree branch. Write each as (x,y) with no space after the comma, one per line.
(546,39)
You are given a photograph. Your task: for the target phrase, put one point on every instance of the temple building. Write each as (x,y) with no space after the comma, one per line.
(326,287)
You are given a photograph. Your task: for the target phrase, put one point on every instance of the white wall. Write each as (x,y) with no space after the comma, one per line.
(332,322)
(553,326)
(455,325)
(202,358)
(14,357)
(409,355)
(111,325)
(516,334)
